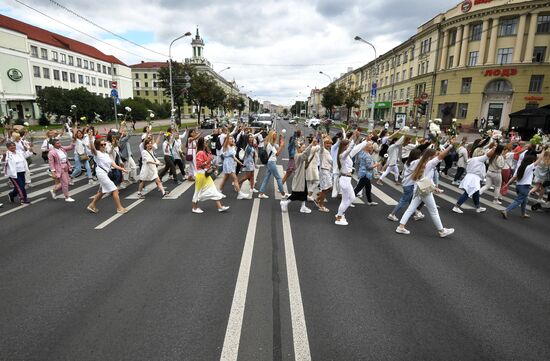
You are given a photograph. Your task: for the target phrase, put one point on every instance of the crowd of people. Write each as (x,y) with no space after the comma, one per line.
(321,165)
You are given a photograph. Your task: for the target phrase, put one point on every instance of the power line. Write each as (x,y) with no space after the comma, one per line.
(104,29)
(80,31)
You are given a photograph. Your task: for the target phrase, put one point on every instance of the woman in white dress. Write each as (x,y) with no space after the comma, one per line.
(149,170)
(229,153)
(104,164)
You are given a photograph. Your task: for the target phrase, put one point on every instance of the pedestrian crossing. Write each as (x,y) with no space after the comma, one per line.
(387,195)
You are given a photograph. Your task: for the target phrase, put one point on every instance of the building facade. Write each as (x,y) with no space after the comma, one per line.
(32,58)
(482,59)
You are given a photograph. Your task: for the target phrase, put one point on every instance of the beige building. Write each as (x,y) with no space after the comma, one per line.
(481,59)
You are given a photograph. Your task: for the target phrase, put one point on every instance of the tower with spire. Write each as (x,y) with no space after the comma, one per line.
(198,51)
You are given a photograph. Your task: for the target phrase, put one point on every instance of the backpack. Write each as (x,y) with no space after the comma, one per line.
(218,144)
(262,154)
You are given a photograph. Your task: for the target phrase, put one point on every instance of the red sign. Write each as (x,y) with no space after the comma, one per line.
(466,6)
(534,98)
(424,96)
(114,84)
(478,2)
(501,72)
(399,104)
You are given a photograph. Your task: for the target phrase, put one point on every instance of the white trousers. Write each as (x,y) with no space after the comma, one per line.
(492,179)
(393,169)
(429,201)
(348,195)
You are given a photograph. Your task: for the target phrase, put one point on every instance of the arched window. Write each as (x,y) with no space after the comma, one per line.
(499,86)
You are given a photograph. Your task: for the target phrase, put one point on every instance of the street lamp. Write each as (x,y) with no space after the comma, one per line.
(221,71)
(358,38)
(170,71)
(328,76)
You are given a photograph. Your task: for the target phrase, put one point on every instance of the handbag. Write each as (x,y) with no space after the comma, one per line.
(503,190)
(189,156)
(83,157)
(424,186)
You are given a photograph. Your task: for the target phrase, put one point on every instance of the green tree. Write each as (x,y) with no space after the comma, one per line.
(332,97)
(216,98)
(351,100)
(179,73)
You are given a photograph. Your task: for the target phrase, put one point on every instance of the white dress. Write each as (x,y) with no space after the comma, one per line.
(103,162)
(149,171)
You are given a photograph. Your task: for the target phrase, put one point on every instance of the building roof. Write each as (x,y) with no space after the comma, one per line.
(60,41)
(150,65)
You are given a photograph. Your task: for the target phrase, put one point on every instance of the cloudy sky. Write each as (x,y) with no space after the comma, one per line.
(275,48)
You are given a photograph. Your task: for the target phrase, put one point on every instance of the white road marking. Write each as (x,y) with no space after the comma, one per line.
(377,193)
(179,190)
(149,187)
(230,350)
(34,185)
(118,215)
(18,208)
(33,171)
(481,200)
(299,329)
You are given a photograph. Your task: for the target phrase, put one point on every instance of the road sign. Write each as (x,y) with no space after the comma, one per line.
(424,96)
(114,84)
(114,93)
(373,89)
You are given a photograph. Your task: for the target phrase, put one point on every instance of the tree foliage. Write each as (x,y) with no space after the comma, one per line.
(58,101)
(333,96)
(351,98)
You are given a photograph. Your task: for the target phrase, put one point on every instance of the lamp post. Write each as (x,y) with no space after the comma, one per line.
(170,71)
(221,71)
(328,76)
(358,38)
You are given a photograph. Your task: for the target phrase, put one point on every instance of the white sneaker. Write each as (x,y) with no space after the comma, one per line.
(69,199)
(91,181)
(352,205)
(223,195)
(242,195)
(254,190)
(455,183)
(305,210)
(284,205)
(223,209)
(341,222)
(71,182)
(372,203)
(480,209)
(497,201)
(52,193)
(457,210)
(263,196)
(393,218)
(402,230)
(446,232)
(418,216)
(197,210)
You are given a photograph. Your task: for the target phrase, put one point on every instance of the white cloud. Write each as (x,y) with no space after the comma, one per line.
(239,32)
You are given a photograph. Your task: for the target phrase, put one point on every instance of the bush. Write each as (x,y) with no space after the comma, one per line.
(19,122)
(43,120)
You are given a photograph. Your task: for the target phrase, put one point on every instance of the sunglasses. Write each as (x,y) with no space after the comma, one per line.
(102,144)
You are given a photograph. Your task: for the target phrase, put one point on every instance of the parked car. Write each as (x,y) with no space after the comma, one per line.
(312,123)
(207,124)
(292,121)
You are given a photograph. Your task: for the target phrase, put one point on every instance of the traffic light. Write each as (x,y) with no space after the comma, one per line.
(422,108)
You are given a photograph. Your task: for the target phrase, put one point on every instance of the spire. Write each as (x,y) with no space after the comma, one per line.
(197,36)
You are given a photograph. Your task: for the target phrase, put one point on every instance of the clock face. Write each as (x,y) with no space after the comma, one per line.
(466,6)
(15,74)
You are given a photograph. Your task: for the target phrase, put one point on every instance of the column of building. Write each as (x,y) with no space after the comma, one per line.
(444,51)
(483,42)
(493,42)
(519,40)
(464,46)
(530,47)
(458,41)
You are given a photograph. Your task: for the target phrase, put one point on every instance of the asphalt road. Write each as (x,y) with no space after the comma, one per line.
(162,283)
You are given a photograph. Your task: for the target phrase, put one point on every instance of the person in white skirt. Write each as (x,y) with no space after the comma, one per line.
(149,169)
(104,164)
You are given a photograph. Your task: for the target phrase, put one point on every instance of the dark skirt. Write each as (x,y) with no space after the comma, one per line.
(299,196)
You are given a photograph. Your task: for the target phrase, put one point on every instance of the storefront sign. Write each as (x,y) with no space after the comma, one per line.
(15,74)
(468,4)
(534,98)
(380,105)
(400,104)
(501,72)
(478,2)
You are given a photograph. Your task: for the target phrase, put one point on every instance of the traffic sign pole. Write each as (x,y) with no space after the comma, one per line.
(114,95)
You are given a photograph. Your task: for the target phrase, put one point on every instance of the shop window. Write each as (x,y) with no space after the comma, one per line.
(475,32)
(462,110)
(535,85)
(36,71)
(504,56)
(443,89)
(543,24)
(34,51)
(466,86)
(539,54)
(472,59)
(508,27)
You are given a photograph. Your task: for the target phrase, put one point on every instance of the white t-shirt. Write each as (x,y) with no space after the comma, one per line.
(103,161)
(527,178)
(272,148)
(62,155)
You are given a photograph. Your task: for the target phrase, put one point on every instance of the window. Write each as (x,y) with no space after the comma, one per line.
(462,110)
(137,84)
(85,64)
(404,74)
(63,58)
(387,65)
(110,84)
(34,51)
(405,57)
(539,54)
(36,71)
(80,79)
(79,62)
(104,69)
(154,75)
(46,73)
(138,93)
(145,76)
(64,76)
(114,71)
(105,83)
(155,93)
(408,92)
(147,93)
(109,70)
(73,77)
(535,86)
(466,85)
(450,62)
(543,24)
(56,74)
(37,88)
(71,60)
(410,72)
(412,53)
(93,81)
(391,79)
(472,59)
(475,32)
(87,80)
(401,93)
(443,90)
(427,66)
(452,37)
(398,60)
(92,65)
(508,27)
(137,76)
(55,56)
(146,84)
(44,53)
(426,46)
(98,68)
(504,56)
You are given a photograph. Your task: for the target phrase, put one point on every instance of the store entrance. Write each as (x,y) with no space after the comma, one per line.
(494,115)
